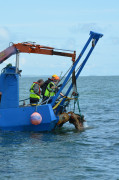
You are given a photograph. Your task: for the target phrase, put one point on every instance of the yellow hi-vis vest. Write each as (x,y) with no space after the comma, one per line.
(49,91)
(32,93)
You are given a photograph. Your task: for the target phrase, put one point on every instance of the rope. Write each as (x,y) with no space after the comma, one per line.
(66,72)
(57,104)
(71,77)
(36,109)
(67,99)
(24,99)
(76,100)
(43,102)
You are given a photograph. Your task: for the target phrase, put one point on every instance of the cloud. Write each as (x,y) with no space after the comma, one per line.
(5,38)
(4,34)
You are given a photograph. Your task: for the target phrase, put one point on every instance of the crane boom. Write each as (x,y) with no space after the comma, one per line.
(33,48)
(7,53)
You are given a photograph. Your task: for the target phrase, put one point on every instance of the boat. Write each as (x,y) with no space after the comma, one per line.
(15,117)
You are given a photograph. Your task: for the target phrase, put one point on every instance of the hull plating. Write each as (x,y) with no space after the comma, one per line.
(18,119)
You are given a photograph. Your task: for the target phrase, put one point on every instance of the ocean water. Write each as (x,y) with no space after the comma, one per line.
(68,153)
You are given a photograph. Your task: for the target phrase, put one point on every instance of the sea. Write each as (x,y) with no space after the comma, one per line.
(66,153)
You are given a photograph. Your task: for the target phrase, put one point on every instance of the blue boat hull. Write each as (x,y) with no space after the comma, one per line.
(18,119)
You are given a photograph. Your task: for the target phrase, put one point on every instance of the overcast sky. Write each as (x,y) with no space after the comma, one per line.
(62,24)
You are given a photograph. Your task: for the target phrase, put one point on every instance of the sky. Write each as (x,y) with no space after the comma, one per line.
(63,24)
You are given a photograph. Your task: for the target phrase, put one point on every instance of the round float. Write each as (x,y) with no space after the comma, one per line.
(36,118)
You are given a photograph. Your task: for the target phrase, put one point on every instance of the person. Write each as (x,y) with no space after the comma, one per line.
(35,92)
(44,86)
(50,87)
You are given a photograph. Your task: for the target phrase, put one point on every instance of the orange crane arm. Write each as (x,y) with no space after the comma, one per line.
(38,49)
(34,48)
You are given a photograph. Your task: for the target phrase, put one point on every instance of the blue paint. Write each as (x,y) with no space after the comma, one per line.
(9,86)
(17,118)
(14,119)
(71,71)
(95,36)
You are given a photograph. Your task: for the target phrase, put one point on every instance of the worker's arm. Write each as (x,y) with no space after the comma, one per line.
(53,87)
(61,94)
(56,89)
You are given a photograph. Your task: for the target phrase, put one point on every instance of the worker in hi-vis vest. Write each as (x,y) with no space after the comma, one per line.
(50,88)
(35,92)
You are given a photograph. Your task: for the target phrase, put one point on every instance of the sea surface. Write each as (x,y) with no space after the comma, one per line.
(68,154)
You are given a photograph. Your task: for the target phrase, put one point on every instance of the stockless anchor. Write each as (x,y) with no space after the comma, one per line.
(16,117)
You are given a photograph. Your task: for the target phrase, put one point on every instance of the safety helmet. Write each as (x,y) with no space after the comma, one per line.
(57,78)
(54,75)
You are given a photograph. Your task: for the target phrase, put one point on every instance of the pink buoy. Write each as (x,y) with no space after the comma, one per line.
(36,118)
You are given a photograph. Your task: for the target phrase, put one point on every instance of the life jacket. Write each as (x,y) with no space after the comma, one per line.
(32,93)
(49,91)
(44,86)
